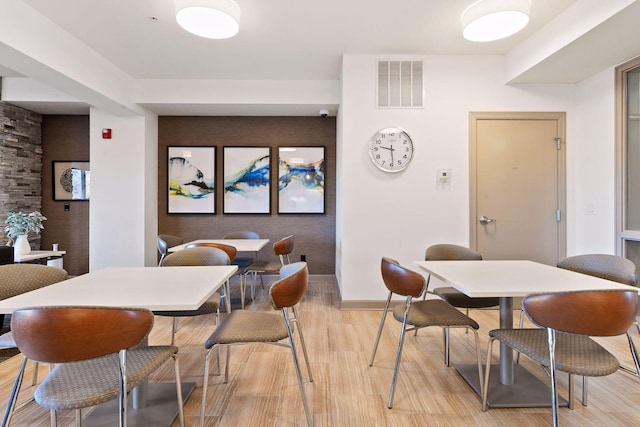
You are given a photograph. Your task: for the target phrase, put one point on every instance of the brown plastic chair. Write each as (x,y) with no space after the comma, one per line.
(196,256)
(16,279)
(232,252)
(97,355)
(609,267)
(243,259)
(166,241)
(251,326)
(562,342)
(282,248)
(419,314)
(449,252)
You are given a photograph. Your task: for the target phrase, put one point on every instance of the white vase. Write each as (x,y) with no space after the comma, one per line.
(22,246)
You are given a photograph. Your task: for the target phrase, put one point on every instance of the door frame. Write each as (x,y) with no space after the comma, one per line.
(560,118)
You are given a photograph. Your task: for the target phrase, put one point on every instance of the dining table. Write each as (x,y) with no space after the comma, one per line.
(512,385)
(153,288)
(241,245)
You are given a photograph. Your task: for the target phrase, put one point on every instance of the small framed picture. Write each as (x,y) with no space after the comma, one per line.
(247,180)
(301,180)
(191,180)
(71,180)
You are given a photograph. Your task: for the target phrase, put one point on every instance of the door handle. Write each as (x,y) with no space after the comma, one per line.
(485,220)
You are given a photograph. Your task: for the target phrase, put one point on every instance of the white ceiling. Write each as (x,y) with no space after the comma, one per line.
(278,39)
(305,40)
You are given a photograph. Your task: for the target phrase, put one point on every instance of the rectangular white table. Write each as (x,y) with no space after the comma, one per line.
(241,245)
(154,288)
(506,280)
(52,257)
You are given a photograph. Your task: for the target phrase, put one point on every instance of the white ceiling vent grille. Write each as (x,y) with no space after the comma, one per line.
(399,84)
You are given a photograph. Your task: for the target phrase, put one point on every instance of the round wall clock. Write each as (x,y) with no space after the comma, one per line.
(391,149)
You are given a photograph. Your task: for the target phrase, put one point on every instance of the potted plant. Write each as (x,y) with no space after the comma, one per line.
(18,226)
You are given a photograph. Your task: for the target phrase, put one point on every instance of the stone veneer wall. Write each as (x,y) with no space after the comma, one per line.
(20,164)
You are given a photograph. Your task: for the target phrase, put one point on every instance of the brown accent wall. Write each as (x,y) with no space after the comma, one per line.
(65,138)
(314,233)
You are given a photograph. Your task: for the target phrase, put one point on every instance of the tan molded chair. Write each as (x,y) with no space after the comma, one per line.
(282,248)
(97,355)
(419,314)
(252,326)
(562,342)
(166,241)
(232,252)
(449,252)
(197,256)
(16,279)
(610,267)
(243,259)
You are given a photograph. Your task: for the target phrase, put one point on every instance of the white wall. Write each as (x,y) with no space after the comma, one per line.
(400,215)
(592,166)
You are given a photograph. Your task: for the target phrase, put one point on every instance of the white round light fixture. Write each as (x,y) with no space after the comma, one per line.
(488,20)
(213,19)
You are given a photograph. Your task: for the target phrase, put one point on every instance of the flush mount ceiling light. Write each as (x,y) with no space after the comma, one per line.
(488,20)
(213,19)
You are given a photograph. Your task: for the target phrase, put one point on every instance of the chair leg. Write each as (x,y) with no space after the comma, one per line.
(551,338)
(479,357)
(8,413)
(205,380)
(178,390)
(585,390)
(79,419)
(447,337)
(635,356)
(122,396)
(174,329)
(487,371)
(382,319)
(304,346)
(294,353)
(399,353)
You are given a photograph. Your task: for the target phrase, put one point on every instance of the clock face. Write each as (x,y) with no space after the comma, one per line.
(391,149)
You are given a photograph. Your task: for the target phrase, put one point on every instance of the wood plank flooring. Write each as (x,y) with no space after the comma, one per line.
(263,391)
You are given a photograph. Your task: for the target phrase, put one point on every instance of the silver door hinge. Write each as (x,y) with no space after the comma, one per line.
(558,141)
(558,215)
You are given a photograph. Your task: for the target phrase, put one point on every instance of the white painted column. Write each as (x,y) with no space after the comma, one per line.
(123,213)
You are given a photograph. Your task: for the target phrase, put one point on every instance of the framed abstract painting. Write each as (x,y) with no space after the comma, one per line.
(191,180)
(301,172)
(247,180)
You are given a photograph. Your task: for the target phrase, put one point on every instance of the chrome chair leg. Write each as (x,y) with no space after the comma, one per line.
(399,353)
(178,390)
(551,338)
(447,339)
(487,371)
(296,362)
(382,319)
(304,346)
(585,389)
(8,413)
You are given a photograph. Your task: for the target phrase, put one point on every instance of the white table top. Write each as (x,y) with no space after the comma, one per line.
(37,255)
(241,245)
(512,278)
(155,288)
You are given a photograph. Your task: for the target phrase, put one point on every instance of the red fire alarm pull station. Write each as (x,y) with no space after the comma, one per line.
(106,133)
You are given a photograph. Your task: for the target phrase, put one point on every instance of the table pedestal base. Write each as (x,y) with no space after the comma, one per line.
(161,409)
(526,392)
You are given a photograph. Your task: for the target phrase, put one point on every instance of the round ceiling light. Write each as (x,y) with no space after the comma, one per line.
(213,19)
(488,20)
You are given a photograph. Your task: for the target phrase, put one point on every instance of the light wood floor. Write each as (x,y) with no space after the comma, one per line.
(263,391)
